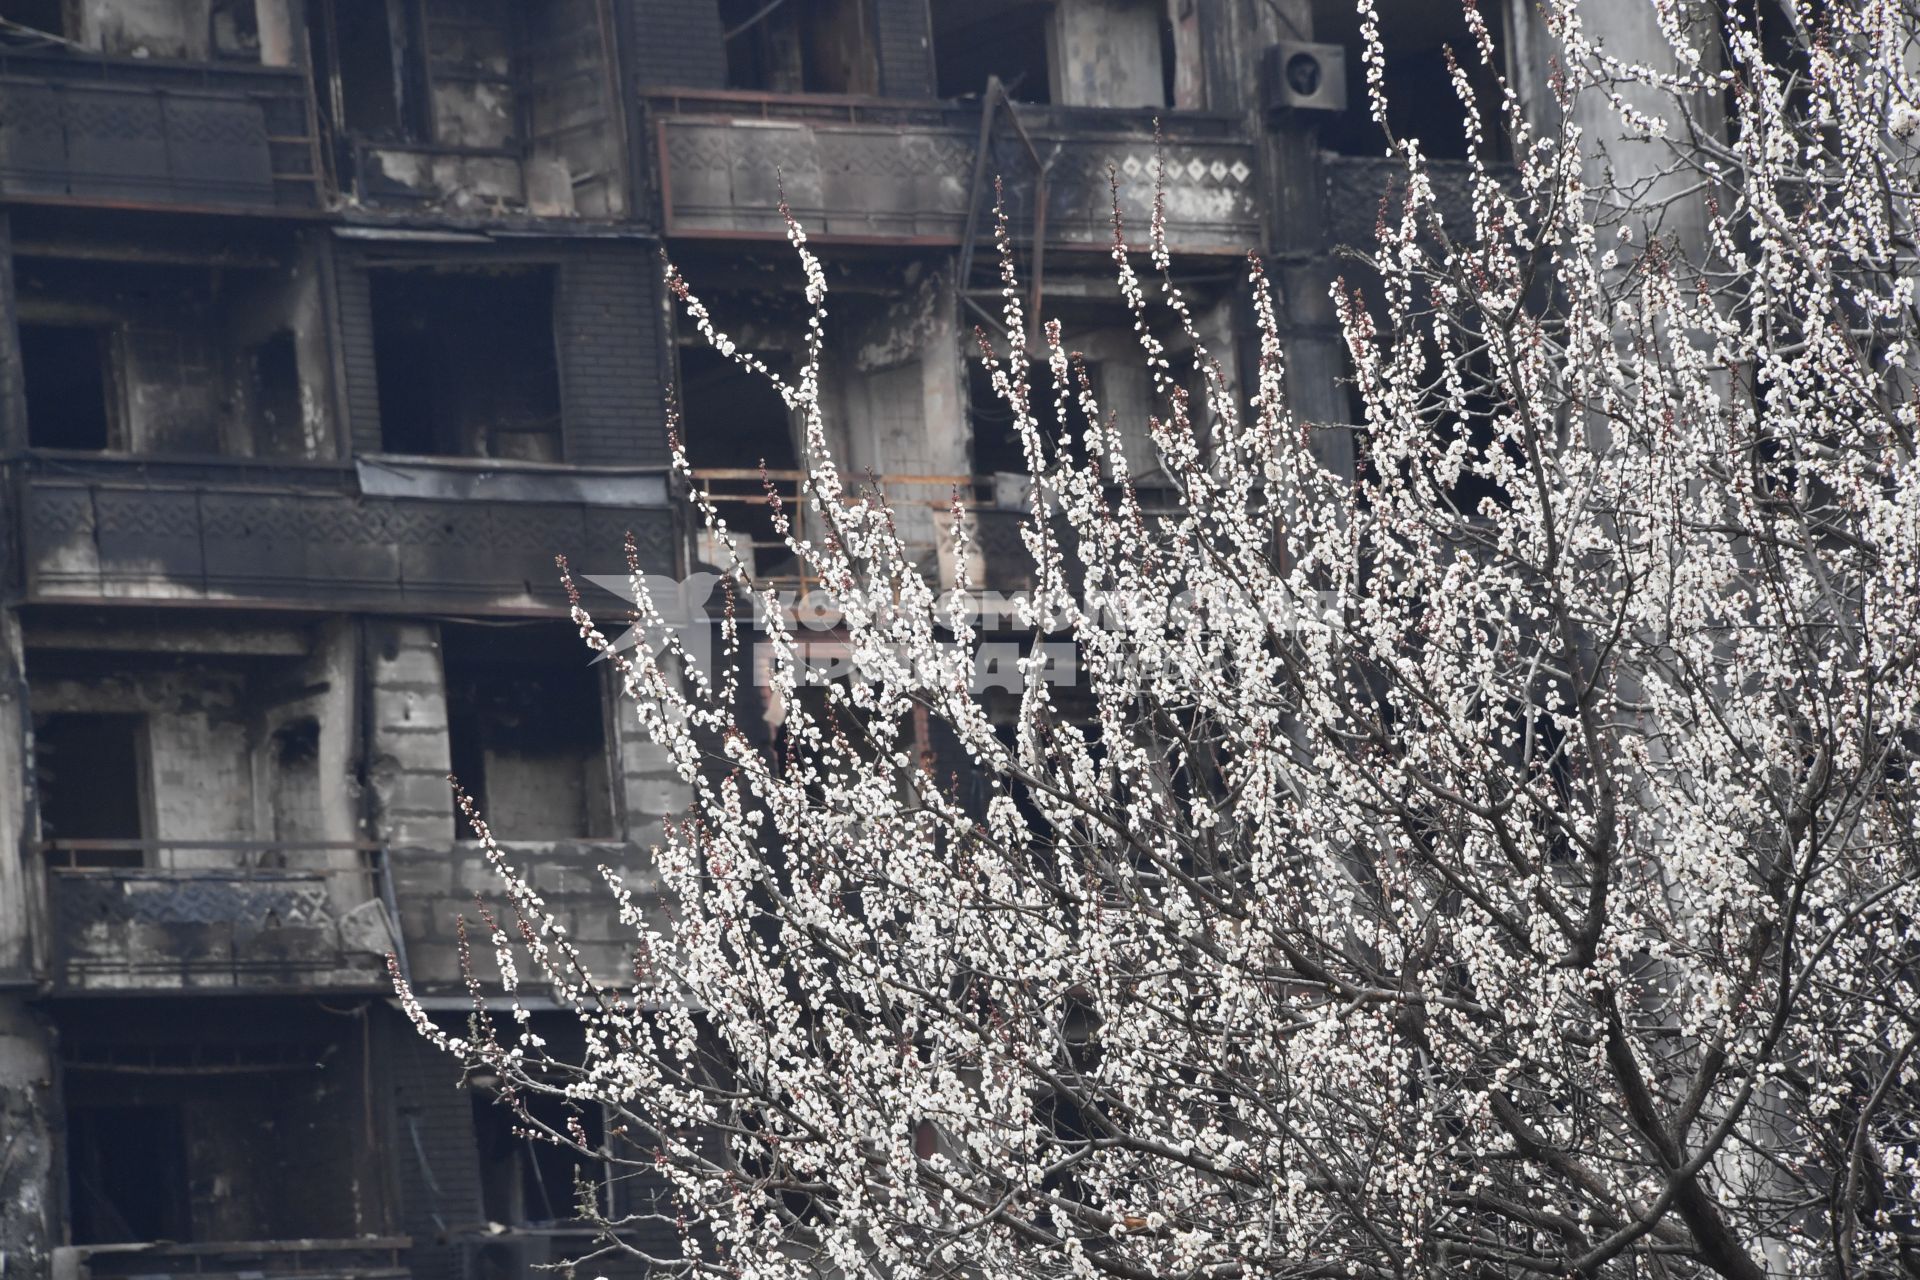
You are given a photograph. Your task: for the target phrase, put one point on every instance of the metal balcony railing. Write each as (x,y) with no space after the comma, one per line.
(88,127)
(366,1258)
(145,914)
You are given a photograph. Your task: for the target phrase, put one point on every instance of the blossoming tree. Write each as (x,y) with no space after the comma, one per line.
(1500,860)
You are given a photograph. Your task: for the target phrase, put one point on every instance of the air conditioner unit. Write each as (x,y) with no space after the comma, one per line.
(1296,76)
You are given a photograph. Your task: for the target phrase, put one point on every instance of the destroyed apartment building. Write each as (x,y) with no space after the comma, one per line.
(325,325)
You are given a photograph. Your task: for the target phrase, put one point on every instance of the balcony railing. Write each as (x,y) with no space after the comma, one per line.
(99,527)
(367,1258)
(862,170)
(217,915)
(88,127)
(747,499)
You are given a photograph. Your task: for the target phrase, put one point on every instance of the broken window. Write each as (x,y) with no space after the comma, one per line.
(90,777)
(123,353)
(1007,38)
(127,1174)
(1077,53)
(366,64)
(811,46)
(35,15)
(736,425)
(68,375)
(234,30)
(997,449)
(1415,37)
(466,363)
(294,781)
(527,729)
(206,1121)
(272,377)
(528,1181)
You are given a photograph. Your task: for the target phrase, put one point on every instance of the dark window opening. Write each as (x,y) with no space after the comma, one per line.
(466,363)
(366,62)
(733,420)
(972,41)
(1421,103)
(68,379)
(525,717)
(273,383)
(228,1119)
(127,1174)
(39,15)
(997,449)
(526,1181)
(89,776)
(234,30)
(294,782)
(819,46)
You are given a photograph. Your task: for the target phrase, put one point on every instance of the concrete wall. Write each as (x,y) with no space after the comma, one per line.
(406,719)
(1106,53)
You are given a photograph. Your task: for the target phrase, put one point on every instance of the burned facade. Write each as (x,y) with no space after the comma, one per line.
(324,326)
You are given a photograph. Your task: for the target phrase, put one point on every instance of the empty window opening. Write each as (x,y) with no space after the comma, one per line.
(814,46)
(527,1181)
(466,363)
(294,782)
(222,1120)
(1007,38)
(997,448)
(35,15)
(735,422)
(234,30)
(1415,36)
(273,385)
(367,66)
(67,369)
(527,728)
(90,774)
(127,1174)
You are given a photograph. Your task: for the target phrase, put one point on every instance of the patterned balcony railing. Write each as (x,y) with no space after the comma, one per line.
(366,1258)
(861,170)
(995,508)
(134,915)
(380,536)
(746,498)
(150,131)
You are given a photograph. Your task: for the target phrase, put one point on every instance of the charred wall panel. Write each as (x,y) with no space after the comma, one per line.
(906,56)
(435,1157)
(612,357)
(356,353)
(13,400)
(678,43)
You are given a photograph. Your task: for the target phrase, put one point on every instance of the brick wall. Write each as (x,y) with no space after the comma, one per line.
(435,1158)
(677,43)
(906,52)
(612,355)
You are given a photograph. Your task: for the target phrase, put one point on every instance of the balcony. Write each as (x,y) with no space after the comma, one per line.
(1356,189)
(367,1258)
(872,171)
(387,534)
(76,127)
(131,915)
